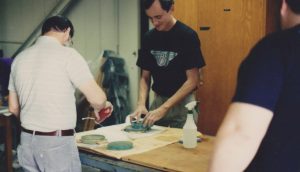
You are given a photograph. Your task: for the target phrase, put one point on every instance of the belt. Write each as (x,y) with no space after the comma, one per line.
(69,132)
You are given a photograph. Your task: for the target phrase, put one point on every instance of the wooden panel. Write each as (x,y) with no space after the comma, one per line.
(174,157)
(233,27)
(238,25)
(187,12)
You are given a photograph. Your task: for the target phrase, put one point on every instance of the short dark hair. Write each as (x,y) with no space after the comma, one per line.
(58,23)
(165,4)
(294,5)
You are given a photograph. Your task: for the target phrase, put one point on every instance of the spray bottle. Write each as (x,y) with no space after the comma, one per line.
(190,129)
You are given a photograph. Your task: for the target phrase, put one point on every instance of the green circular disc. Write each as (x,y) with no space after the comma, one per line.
(136,127)
(92,138)
(120,145)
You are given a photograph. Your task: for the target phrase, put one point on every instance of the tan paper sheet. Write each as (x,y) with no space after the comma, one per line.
(163,137)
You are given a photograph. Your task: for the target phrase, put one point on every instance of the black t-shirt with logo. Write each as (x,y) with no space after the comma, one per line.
(167,55)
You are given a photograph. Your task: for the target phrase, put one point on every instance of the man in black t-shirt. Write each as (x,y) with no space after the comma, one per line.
(260,132)
(171,55)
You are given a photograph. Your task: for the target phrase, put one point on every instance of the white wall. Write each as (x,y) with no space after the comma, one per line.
(95,23)
(129,42)
(99,25)
(18,19)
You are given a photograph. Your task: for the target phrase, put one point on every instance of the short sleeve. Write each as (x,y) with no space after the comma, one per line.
(192,52)
(78,70)
(260,77)
(144,57)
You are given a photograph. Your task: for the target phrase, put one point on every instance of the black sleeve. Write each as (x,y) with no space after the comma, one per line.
(144,59)
(260,76)
(192,52)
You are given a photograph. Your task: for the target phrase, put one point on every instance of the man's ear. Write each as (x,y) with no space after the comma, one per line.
(284,8)
(172,8)
(68,30)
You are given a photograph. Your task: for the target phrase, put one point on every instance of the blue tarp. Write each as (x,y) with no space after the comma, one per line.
(5,64)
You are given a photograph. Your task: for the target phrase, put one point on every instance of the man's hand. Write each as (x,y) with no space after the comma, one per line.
(136,115)
(154,116)
(104,112)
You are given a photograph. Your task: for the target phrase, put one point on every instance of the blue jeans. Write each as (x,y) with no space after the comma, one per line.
(48,153)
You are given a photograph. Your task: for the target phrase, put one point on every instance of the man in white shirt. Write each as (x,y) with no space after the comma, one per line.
(41,91)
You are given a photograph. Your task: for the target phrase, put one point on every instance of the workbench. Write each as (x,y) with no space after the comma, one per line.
(170,157)
(5,121)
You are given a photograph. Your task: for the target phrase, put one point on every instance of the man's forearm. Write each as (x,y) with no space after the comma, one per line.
(143,93)
(178,96)
(233,153)
(13,103)
(14,111)
(239,137)
(187,88)
(94,94)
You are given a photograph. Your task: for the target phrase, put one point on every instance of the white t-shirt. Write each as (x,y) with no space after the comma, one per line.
(44,77)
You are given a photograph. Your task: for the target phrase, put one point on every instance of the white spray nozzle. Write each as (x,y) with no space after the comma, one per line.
(191,105)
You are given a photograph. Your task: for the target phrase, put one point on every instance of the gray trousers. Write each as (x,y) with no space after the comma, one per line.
(48,153)
(176,116)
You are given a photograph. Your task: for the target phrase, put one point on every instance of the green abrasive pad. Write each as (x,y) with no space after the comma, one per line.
(120,145)
(136,127)
(92,138)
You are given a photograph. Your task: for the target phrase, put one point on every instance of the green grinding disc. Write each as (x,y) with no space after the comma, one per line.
(136,127)
(120,145)
(129,128)
(92,138)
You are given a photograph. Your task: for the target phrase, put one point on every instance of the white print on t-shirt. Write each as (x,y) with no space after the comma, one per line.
(163,57)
